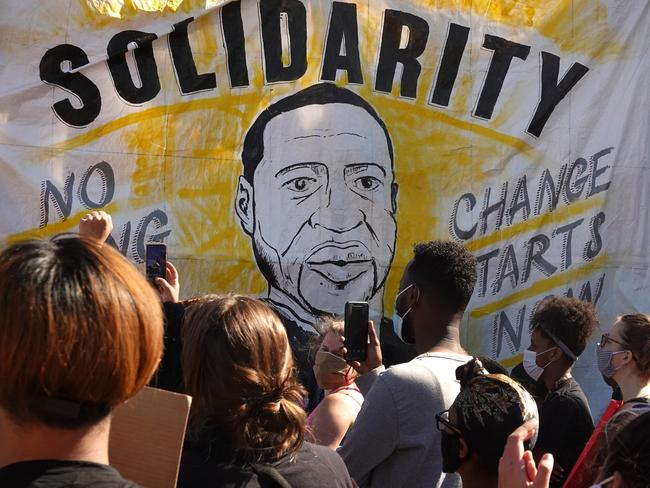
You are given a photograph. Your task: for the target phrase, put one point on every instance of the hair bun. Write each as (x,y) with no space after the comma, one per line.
(478,366)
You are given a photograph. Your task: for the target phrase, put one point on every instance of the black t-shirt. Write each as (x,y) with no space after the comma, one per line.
(565,425)
(61,474)
(310,466)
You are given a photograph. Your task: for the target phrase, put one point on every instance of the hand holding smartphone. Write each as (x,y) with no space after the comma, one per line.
(156,262)
(356,330)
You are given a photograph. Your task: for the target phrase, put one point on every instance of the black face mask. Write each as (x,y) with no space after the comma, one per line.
(450,446)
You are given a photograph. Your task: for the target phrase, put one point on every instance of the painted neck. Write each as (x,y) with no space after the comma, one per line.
(32,442)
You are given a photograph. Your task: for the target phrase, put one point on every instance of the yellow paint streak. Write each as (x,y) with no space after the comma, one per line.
(558,215)
(149,114)
(100,13)
(541,286)
(576,26)
(57,227)
(512,361)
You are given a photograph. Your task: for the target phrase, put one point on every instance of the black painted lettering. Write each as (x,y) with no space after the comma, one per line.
(499,207)
(343,34)
(595,244)
(158,219)
(504,328)
(547,188)
(507,268)
(520,201)
(125,237)
(573,189)
(271,12)
(483,262)
(504,52)
(390,52)
(106,177)
(235,40)
(596,172)
(535,249)
(148,85)
(76,83)
(586,294)
(567,231)
(189,81)
(449,64)
(470,202)
(62,204)
(552,91)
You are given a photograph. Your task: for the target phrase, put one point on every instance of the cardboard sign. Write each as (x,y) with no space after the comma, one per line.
(147,436)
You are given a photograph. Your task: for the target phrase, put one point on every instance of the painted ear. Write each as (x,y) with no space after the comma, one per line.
(393,196)
(244,205)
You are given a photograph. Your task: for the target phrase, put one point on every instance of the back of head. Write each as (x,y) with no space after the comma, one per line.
(488,408)
(445,271)
(636,335)
(81,331)
(629,454)
(238,367)
(568,322)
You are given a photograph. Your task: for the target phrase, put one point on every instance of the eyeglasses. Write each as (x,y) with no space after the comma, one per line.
(604,339)
(443,418)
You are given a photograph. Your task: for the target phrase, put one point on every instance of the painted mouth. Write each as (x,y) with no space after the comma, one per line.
(340,263)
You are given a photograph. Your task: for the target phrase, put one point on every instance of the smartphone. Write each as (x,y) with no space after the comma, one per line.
(356,330)
(156,261)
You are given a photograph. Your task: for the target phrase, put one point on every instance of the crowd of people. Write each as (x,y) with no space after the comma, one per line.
(81,332)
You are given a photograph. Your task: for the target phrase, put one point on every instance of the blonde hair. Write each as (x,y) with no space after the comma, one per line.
(239,368)
(81,331)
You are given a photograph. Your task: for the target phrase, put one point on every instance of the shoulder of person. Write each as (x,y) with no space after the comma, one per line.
(314,455)
(422,372)
(338,404)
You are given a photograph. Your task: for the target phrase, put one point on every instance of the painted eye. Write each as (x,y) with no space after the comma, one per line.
(300,185)
(367,183)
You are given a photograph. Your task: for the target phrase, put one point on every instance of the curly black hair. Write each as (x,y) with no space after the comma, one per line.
(447,269)
(571,320)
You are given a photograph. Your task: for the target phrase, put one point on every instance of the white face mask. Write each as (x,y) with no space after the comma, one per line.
(398,321)
(530,363)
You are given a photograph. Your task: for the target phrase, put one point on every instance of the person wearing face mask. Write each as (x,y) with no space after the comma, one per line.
(560,328)
(623,358)
(334,415)
(475,428)
(393,441)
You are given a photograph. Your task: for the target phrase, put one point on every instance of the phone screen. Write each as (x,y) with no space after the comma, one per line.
(356,330)
(156,261)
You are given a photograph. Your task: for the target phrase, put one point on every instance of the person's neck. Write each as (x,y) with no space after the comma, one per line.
(447,342)
(632,385)
(33,442)
(306,319)
(554,373)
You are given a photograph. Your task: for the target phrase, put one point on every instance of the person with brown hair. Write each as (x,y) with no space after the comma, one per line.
(81,332)
(623,356)
(334,415)
(247,423)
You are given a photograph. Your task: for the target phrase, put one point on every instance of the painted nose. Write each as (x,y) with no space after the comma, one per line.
(339,212)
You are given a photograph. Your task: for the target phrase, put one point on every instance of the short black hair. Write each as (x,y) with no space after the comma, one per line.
(446,269)
(319,94)
(570,320)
